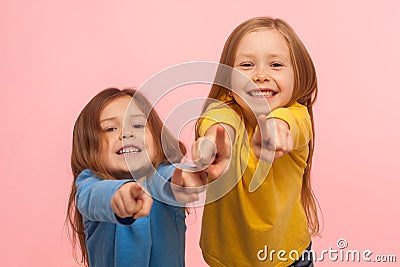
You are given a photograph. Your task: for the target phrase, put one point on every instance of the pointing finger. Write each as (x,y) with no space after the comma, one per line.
(146,202)
(204,152)
(220,140)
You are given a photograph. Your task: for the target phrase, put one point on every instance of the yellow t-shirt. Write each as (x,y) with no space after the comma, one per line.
(242,228)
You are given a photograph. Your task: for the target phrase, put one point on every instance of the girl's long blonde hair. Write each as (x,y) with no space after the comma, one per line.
(86,148)
(304,91)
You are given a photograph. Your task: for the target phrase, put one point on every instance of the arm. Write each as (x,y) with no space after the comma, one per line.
(163,184)
(131,201)
(284,130)
(212,151)
(94,197)
(186,185)
(211,155)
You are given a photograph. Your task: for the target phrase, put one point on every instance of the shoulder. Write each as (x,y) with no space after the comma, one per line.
(292,114)
(295,109)
(220,113)
(299,121)
(300,109)
(165,170)
(86,174)
(221,109)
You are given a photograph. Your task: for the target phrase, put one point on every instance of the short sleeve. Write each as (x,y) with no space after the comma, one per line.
(298,119)
(219,113)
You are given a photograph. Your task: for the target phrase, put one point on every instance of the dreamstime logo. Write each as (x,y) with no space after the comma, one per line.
(170,79)
(341,254)
(342,243)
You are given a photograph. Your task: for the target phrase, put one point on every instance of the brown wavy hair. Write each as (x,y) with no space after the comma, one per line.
(305,91)
(86,150)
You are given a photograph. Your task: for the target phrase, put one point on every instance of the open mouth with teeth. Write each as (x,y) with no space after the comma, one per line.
(262,93)
(128,150)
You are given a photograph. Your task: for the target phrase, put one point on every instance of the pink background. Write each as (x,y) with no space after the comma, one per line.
(55,56)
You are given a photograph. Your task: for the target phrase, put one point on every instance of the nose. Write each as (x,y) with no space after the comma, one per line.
(261,75)
(127,135)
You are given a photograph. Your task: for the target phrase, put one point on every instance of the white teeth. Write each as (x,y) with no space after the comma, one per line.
(128,150)
(262,93)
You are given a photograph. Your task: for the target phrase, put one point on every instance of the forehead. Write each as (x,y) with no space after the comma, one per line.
(119,107)
(263,40)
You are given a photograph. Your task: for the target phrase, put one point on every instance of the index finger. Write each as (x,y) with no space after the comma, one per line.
(267,131)
(177,178)
(203,152)
(147,202)
(135,190)
(220,141)
(262,125)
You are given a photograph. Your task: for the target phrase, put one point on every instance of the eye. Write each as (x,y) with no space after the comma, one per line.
(110,129)
(246,64)
(276,65)
(138,126)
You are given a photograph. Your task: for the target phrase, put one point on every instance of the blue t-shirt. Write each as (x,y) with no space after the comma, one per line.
(155,240)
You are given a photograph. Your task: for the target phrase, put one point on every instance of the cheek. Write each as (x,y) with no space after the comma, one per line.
(239,81)
(106,151)
(289,89)
(150,146)
(290,82)
(286,83)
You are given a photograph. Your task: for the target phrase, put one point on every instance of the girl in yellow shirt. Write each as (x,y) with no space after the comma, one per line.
(261,210)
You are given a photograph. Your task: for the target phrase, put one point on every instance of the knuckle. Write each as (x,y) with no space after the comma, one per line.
(131,209)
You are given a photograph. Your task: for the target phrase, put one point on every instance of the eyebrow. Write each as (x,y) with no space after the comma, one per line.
(108,119)
(130,117)
(270,56)
(137,116)
(244,55)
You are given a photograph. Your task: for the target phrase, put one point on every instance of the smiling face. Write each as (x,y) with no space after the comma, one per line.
(131,140)
(263,57)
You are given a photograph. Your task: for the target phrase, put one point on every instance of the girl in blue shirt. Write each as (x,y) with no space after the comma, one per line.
(121,152)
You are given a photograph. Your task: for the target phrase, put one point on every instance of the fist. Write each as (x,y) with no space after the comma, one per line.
(272,139)
(130,200)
